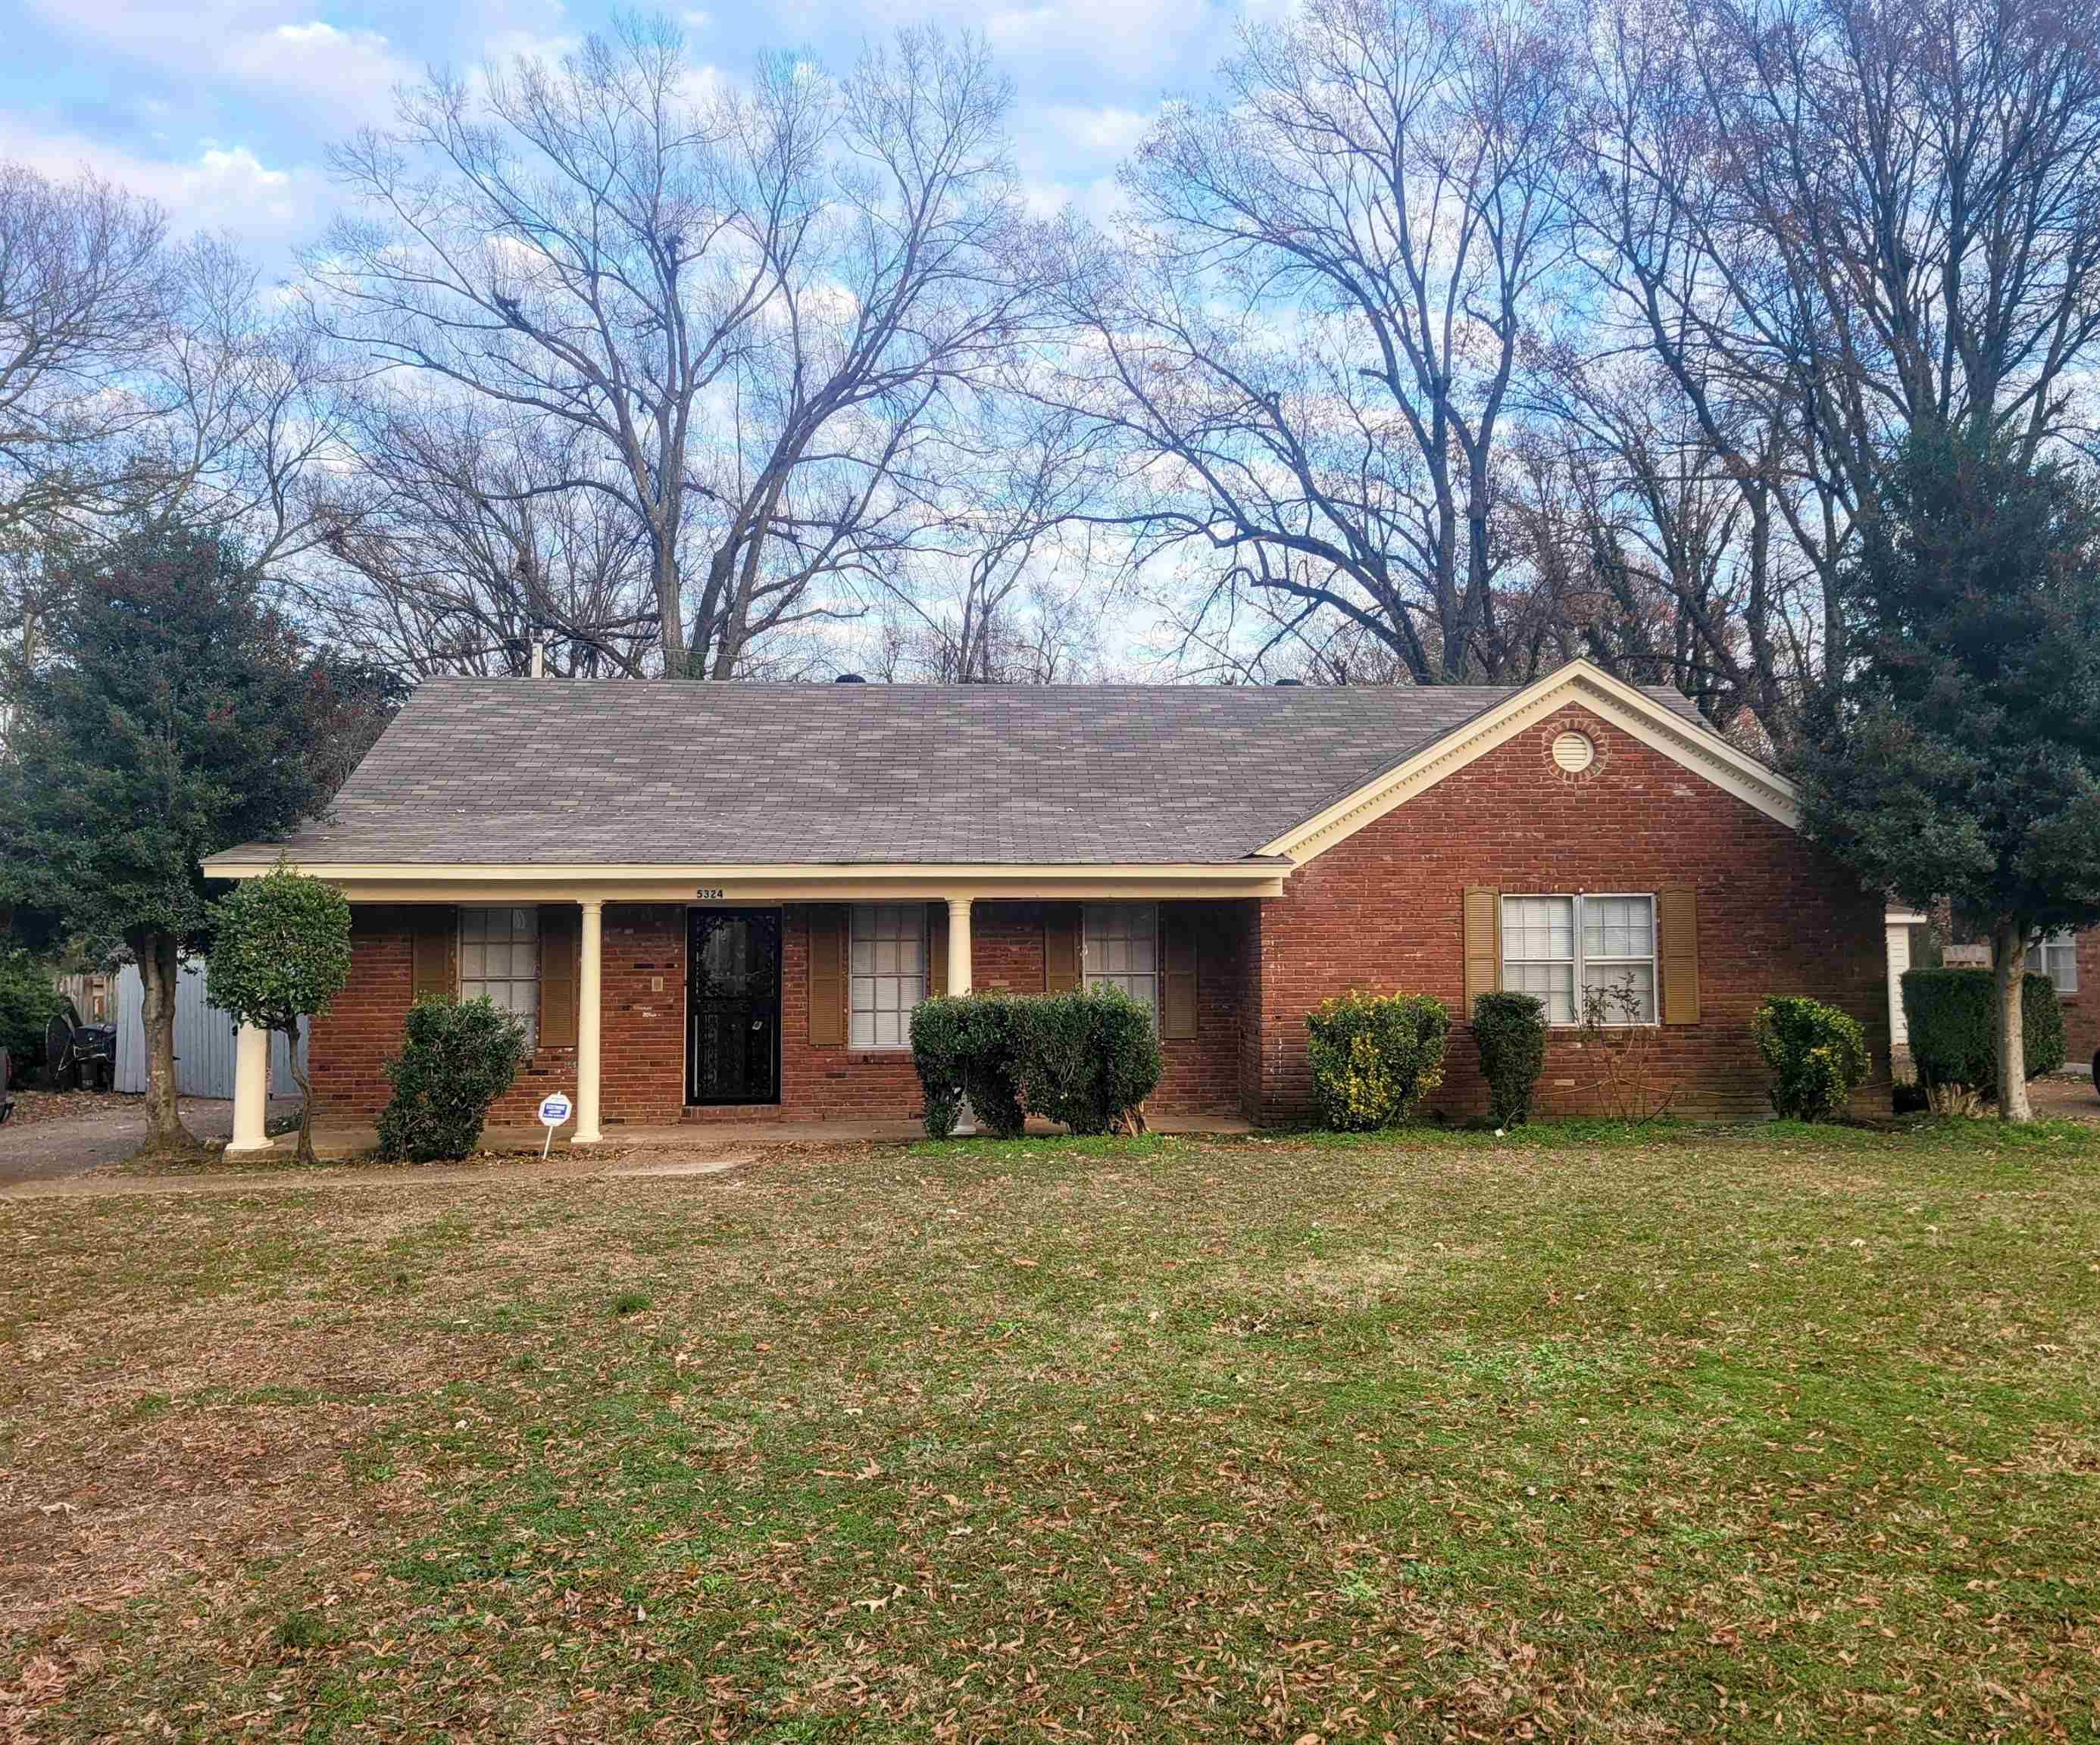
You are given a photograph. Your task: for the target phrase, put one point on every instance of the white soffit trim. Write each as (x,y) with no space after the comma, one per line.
(1634,714)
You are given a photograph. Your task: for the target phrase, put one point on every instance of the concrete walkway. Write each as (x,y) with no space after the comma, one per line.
(332,1140)
(495,1172)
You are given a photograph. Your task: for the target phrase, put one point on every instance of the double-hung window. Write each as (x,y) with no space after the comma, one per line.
(1562,948)
(2055,955)
(1121,946)
(888,973)
(499,961)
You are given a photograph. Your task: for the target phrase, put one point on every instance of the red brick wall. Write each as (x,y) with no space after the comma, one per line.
(643,991)
(346,1056)
(2081,1011)
(1382,911)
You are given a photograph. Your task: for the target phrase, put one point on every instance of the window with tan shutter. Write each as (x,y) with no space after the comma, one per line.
(888,973)
(1121,950)
(499,962)
(1560,947)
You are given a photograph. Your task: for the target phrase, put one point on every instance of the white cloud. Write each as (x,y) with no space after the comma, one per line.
(222,188)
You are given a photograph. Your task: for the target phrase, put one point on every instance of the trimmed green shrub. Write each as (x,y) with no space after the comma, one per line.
(1088,1057)
(280,954)
(1952,1017)
(969,1045)
(1816,1053)
(1509,1029)
(1375,1057)
(458,1058)
(26,1000)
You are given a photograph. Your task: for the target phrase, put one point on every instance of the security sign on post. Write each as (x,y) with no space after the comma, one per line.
(554,1109)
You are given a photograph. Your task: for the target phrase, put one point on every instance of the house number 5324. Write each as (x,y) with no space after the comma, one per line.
(709,894)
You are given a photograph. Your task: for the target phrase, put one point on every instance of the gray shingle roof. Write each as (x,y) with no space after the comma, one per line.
(511,771)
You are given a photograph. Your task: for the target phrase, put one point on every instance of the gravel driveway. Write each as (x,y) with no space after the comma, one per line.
(55,1134)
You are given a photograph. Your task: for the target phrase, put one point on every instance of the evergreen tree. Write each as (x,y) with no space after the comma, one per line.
(176,715)
(1956,753)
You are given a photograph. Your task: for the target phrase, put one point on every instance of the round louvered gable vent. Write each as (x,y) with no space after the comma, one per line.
(1573,752)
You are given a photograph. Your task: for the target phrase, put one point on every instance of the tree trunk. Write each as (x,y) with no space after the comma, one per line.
(158,969)
(2009,957)
(670,603)
(305,1152)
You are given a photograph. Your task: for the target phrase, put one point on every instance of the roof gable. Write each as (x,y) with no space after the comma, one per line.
(1638,713)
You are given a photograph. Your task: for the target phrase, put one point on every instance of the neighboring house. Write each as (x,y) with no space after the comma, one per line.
(707,899)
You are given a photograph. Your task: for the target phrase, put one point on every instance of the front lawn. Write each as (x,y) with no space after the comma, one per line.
(1773,1434)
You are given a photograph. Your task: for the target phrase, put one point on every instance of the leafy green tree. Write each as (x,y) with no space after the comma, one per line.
(281,953)
(1956,753)
(174,716)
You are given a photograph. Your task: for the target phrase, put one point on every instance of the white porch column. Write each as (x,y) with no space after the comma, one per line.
(251,1090)
(587,1026)
(959,945)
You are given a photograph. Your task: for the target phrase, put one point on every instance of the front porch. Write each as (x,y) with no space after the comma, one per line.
(633,995)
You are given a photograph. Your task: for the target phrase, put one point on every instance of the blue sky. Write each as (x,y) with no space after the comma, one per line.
(222,109)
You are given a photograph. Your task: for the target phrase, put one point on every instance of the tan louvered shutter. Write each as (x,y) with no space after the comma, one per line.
(1677,948)
(1060,948)
(827,974)
(1484,944)
(434,977)
(1177,980)
(936,948)
(561,934)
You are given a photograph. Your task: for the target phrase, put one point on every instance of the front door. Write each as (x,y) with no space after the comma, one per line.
(733,1026)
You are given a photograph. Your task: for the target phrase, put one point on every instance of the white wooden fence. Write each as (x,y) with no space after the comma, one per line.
(203,1039)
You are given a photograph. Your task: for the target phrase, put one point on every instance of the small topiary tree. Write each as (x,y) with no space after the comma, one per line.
(281,954)
(1375,1057)
(1817,1054)
(969,1045)
(1088,1057)
(1952,1016)
(458,1058)
(1509,1029)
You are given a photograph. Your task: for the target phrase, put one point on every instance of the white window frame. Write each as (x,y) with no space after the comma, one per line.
(876,926)
(2059,947)
(472,986)
(1092,974)
(1580,962)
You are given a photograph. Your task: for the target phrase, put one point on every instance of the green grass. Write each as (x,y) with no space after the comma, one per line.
(1775,1433)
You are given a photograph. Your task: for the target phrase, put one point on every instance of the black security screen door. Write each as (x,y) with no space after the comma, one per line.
(733,1033)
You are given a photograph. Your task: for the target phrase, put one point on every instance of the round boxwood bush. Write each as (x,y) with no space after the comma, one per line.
(1951,1016)
(969,1045)
(1509,1030)
(1375,1057)
(1088,1057)
(1816,1053)
(458,1057)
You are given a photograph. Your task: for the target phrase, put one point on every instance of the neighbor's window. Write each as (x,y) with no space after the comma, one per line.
(2055,955)
(1123,950)
(499,958)
(888,973)
(1554,946)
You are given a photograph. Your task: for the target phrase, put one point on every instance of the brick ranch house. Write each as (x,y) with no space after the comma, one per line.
(725,899)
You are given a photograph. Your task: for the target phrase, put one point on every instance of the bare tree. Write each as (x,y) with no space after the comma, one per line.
(1309,331)
(84,294)
(465,545)
(1007,579)
(740,304)
(1838,221)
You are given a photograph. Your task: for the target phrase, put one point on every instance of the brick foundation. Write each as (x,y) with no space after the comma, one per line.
(1381,911)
